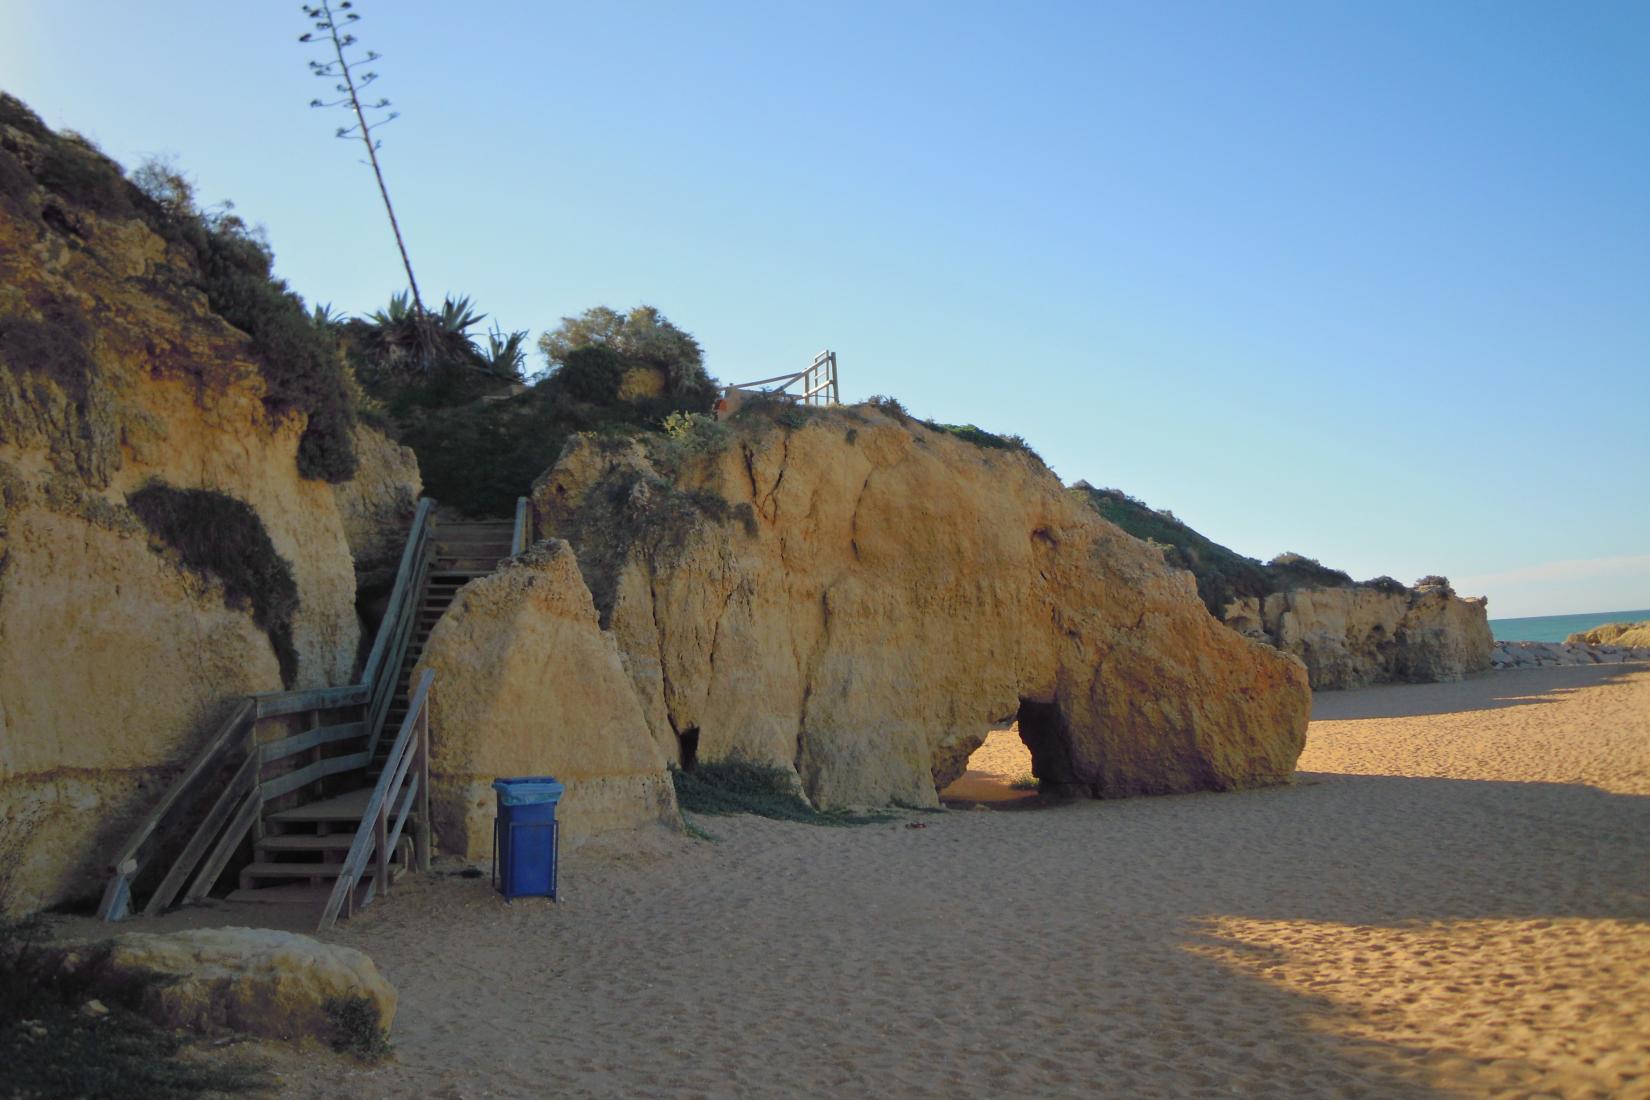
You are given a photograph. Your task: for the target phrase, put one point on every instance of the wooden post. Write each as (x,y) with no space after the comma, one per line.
(421,834)
(381,837)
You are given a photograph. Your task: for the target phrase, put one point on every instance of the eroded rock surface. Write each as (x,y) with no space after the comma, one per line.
(257,981)
(116,659)
(1354,636)
(527,683)
(1629,635)
(860,599)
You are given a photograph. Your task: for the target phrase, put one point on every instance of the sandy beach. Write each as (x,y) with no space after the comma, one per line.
(1451,900)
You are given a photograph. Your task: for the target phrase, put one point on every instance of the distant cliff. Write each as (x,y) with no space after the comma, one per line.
(1626,635)
(1349,633)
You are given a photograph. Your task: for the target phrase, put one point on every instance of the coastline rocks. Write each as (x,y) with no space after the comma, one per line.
(527,683)
(1634,635)
(859,599)
(1353,636)
(1507,655)
(256,981)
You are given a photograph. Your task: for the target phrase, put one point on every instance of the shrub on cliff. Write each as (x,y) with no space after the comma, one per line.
(481,440)
(643,337)
(1290,570)
(299,360)
(968,433)
(223,538)
(1222,574)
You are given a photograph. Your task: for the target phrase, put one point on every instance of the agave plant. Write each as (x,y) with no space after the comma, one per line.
(403,339)
(506,357)
(325,318)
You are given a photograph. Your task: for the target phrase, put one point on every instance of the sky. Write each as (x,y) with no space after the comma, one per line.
(1368,282)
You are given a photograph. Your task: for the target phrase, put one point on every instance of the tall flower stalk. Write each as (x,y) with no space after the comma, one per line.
(331,28)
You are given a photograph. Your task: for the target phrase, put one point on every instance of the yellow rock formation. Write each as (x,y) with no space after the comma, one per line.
(1352,637)
(115,661)
(528,684)
(859,599)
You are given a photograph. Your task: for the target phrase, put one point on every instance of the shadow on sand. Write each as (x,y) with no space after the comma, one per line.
(1484,691)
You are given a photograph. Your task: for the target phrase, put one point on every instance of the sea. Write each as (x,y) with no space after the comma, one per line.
(1555,628)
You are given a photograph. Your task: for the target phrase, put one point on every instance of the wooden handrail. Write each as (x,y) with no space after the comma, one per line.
(818,380)
(234,743)
(375,836)
(519,536)
(417,538)
(139,847)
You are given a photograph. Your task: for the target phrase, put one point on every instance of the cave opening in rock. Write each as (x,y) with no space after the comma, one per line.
(1017,762)
(687,748)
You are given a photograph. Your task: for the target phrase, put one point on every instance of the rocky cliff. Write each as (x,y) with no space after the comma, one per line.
(858,599)
(1358,635)
(1349,633)
(137,441)
(1629,635)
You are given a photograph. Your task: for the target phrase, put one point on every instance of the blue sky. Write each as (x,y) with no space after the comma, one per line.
(1367,282)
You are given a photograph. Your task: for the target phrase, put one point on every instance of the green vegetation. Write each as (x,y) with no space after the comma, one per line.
(968,433)
(736,785)
(357,1028)
(1222,574)
(298,358)
(483,434)
(1026,782)
(223,538)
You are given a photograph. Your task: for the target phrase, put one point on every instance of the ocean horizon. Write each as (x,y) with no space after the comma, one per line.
(1555,628)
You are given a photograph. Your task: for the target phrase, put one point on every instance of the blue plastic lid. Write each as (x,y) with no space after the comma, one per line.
(528,790)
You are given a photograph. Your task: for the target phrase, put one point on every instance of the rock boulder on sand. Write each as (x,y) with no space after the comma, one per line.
(858,598)
(528,684)
(252,980)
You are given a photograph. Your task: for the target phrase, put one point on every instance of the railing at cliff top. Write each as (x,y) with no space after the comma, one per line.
(267,769)
(403,784)
(818,382)
(519,536)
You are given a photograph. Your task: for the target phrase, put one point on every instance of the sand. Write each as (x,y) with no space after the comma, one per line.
(1452,900)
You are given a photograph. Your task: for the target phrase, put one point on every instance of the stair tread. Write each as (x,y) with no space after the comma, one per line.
(303,870)
(291,893)
(344,807)
(307,842)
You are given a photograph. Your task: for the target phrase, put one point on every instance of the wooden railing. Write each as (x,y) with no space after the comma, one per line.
(520,537)
(265,769)
(817,381)
(403,784)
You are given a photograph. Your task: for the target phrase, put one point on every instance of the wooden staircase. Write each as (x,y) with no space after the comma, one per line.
(464,550)
(309,794)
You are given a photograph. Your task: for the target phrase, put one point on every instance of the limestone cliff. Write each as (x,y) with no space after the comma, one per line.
(1348,633)
(1358,635)
(1626,635)
(859,599)
(116,657)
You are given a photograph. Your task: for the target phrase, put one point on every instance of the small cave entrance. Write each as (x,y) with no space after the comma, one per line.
(1020,765)
(687,748)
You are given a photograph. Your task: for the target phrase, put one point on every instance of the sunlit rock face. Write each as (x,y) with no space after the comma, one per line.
(857,598)
(1352,637)
(116,660)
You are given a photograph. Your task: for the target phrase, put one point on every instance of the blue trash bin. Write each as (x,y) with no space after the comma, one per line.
(524,836)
